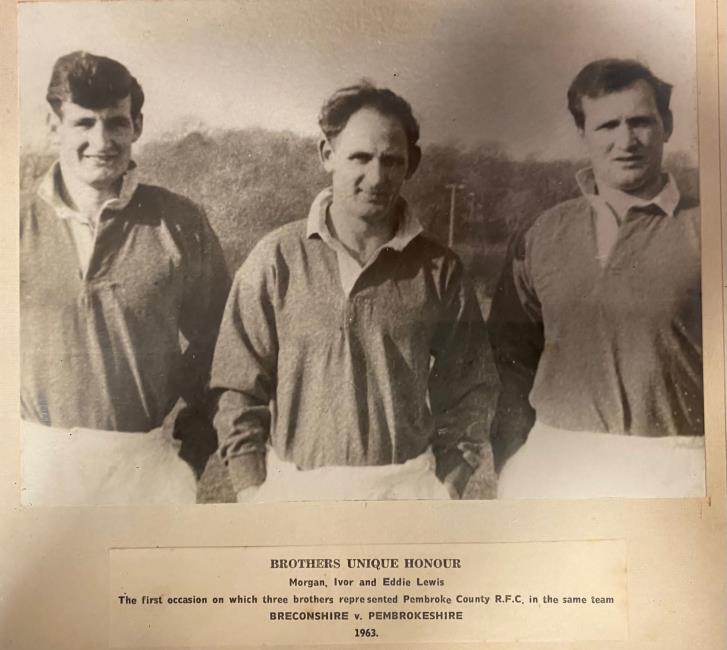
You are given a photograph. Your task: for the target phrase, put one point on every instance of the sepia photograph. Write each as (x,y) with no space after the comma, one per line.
(397,323)
(262,262)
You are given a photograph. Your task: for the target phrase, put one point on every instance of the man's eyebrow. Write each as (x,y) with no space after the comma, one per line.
(392,157)
(642,117)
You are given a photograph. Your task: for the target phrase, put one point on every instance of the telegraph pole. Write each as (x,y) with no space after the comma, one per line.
(453,187)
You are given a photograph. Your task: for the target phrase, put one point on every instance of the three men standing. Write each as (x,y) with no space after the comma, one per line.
(596,323)
(351,344)
(113,273)
(350,362)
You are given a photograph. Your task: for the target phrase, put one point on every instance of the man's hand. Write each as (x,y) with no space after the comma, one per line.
(456,481)
(246,495)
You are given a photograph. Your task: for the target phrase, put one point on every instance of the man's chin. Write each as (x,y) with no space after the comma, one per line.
(102,181)
(374,215)
(374,209)
(630,183)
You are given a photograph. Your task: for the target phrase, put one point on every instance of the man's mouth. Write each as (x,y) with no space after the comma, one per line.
(376,197)
(100,157)
(629,160)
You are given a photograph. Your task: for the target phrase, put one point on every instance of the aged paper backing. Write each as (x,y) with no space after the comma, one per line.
(54,564)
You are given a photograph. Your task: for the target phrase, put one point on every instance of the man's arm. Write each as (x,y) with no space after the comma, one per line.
(515,326)
(206,285)
(460,384)
(244,373)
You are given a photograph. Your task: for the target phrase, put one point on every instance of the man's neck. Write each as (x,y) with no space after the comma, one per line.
(621,201)
(85,199)
(360,238)
(644,193)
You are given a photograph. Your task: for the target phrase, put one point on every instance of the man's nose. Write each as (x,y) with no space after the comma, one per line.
(375,173)
(626,137)
(98,135)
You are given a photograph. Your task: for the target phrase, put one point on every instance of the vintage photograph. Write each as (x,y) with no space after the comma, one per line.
(313,251)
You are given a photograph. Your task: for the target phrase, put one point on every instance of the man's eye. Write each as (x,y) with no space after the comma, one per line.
(641,122)
(84,124)
(392,161)
(607,126)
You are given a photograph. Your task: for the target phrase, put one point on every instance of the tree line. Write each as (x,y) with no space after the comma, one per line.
(251,181)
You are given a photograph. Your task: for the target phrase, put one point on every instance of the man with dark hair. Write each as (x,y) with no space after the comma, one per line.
(94,82)
(596,322)
(350,358)
(346,101)
(113,275)
(610,75)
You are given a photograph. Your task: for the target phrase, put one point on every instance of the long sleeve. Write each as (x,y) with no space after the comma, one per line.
(207,284)
(458,385)
(244,372)
(135,335)
(516,333)
(206,289)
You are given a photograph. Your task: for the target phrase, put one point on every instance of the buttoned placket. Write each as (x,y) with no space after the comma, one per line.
(88,266)
(91,278)
(102,223)
(604,216)
(606,229)
(86,263)
(90,227)
(628,224)
(352,296)
(350,271)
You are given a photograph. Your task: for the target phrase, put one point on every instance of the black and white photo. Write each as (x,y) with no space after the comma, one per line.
(465,243)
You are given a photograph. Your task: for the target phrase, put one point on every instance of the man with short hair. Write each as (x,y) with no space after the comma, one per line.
(113,273)
(596,322)
(325,346)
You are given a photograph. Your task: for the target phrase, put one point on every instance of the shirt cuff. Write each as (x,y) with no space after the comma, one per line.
(450,460)
(246,470)
(472,453)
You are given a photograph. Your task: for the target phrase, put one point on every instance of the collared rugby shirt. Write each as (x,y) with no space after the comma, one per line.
(604,345)
(100,331)
(334,370)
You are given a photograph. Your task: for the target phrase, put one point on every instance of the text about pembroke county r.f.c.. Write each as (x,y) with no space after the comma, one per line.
(533,591)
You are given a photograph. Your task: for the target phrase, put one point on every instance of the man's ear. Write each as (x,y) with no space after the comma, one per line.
(415,157)
(325,151)
(668,120)
(138,122)
(53,123)
(582,141)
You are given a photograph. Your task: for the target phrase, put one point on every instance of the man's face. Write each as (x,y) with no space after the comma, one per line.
(368,161)
(625,135)
(95,144)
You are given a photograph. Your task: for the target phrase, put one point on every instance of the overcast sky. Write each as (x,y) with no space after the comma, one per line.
(473,70)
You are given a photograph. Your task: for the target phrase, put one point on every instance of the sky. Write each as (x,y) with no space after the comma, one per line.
(473,70)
